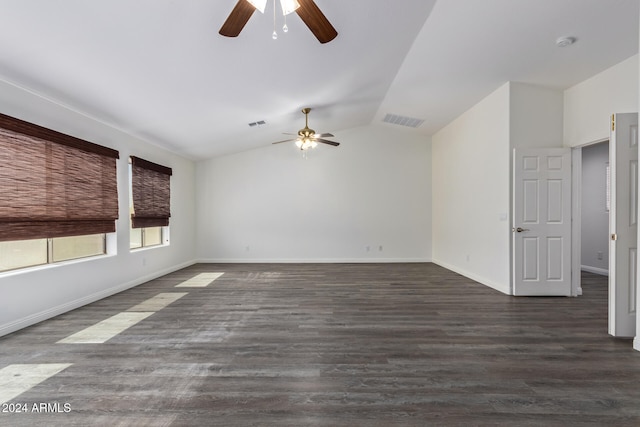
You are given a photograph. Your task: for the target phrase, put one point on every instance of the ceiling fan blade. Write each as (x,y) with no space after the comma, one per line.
(323,135)
(284,140)
(313,17)
(324,141)
(237,19)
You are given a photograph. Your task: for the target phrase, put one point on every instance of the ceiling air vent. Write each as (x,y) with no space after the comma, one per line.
(402,120)
(258,123)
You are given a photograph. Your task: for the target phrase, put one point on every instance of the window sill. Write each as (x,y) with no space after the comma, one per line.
(44,267)
(147,248)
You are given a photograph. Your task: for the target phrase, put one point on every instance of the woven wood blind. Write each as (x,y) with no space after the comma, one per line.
(54,185)
(151,193)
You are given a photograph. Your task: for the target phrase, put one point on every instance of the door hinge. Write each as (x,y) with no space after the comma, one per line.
(614,236)
(613,122)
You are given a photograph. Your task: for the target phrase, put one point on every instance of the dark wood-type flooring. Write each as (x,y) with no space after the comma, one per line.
(336,345)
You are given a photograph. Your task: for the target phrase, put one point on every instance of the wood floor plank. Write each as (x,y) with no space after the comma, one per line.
(336,345)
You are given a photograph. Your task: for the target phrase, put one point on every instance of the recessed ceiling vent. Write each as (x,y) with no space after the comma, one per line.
(258,123)
(402,120)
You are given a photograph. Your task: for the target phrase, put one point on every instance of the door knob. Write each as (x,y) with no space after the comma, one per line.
(520,229)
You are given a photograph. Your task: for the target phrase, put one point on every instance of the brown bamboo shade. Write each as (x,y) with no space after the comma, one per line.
(54,185)
(151,192)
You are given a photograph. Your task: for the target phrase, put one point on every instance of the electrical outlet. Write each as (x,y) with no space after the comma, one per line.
(600,255)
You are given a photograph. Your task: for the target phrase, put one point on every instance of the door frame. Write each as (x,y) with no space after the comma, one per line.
(576,212)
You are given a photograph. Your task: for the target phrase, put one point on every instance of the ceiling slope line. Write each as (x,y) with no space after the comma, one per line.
(90,117)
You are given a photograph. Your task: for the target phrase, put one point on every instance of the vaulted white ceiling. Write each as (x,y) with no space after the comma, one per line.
(159,70)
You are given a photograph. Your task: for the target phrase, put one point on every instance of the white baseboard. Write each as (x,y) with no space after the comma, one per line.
(594,270)
(309,261)
(636,343)
(500,287)
(72,305)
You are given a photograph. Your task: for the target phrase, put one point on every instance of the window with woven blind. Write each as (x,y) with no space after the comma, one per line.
(151,193)
(54,185)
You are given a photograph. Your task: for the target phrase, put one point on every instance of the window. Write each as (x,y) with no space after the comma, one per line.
(58,195)
(23,253)
(149,203)
(146,236)
(73,247)
(29,253)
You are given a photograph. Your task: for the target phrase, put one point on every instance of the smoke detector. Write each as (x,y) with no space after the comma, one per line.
(565,41)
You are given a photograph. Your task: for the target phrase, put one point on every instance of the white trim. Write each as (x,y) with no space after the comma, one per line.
(310,261)
(60,309)
(636,343)
(52,265)
(576,220)
(501,287)
(595,270)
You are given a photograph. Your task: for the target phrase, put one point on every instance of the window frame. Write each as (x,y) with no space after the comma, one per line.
(49,253)
(61,187)
(164,238)
(150,193)
(164,229)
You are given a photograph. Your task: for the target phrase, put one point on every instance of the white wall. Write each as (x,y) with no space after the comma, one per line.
(589,105)
(471,160)
(472,178)
(270,204)
(594,217)
(31,295)
(536,118)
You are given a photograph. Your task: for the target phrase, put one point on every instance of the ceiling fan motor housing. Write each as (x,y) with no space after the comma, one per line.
(306,132)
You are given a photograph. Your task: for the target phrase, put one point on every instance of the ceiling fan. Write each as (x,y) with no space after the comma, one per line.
(307,137)
(307,10)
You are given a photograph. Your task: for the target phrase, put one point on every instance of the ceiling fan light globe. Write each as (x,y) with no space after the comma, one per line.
(259,4)
(299,143)
(289,6)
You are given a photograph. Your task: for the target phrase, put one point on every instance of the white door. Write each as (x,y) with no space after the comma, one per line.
(542,221)
(623,224)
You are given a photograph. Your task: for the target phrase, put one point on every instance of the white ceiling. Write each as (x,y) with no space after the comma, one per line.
(159,70)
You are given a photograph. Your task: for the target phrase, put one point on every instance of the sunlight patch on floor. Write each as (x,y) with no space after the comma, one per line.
(200,281)
(107,329)
(158,302)
(16,379)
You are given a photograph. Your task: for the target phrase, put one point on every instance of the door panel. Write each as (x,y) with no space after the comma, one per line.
(542,222)
(554,258)
(531,208)
(623,224)
(530,258)
(554,194)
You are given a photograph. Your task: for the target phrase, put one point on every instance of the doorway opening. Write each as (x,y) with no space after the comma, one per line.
(594,210)
(590,207)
